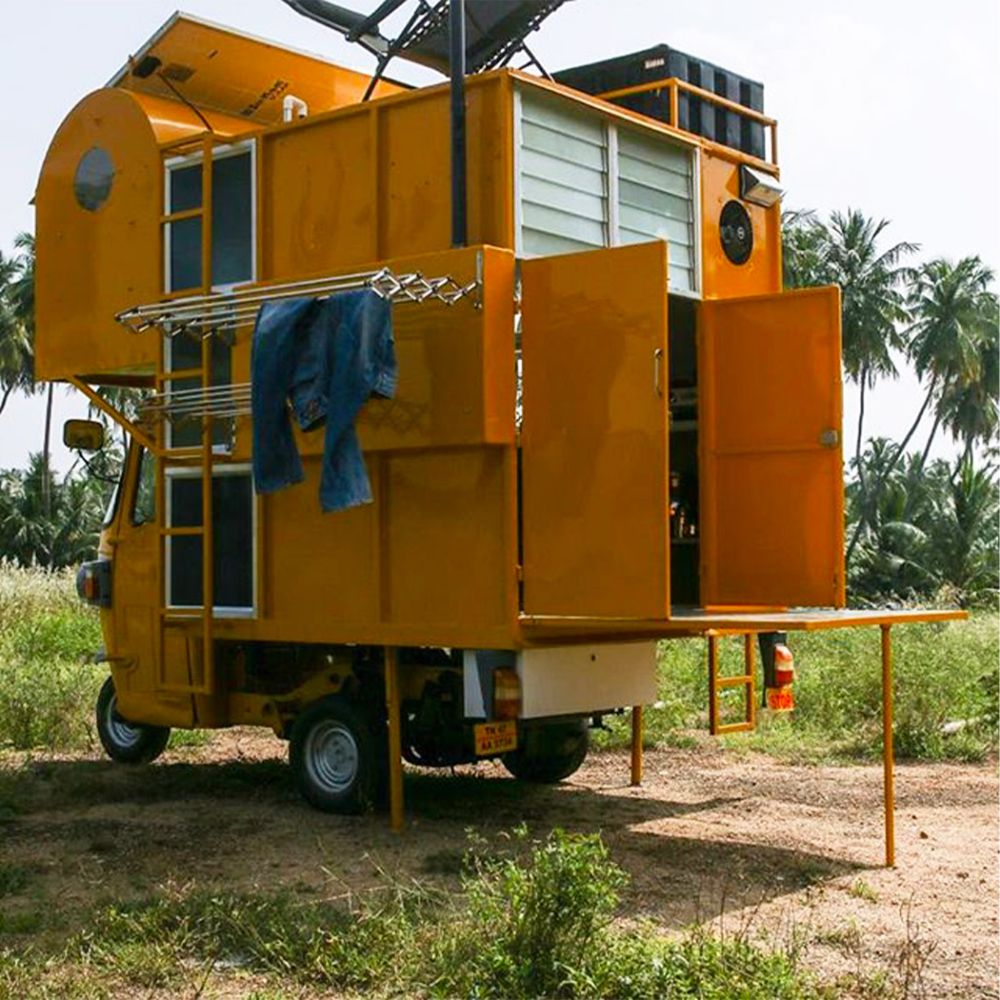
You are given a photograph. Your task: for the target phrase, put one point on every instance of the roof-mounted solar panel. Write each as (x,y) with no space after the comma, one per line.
(495,30)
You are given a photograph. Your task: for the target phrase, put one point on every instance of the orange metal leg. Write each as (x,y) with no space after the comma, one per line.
(392,701)
(637,744)
(713,684)
(889,791)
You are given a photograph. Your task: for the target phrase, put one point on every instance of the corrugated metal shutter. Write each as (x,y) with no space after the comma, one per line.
(567,186)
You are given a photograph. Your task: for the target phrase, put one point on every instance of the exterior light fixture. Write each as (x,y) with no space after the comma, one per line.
(758,188)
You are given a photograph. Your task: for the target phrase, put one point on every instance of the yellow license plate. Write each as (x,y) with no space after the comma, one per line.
(495,737)
(780,699)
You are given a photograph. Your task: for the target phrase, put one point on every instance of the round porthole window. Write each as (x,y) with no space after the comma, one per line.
(736,232)
(94,176)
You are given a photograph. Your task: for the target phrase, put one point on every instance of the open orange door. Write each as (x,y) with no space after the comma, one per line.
(594,436)
(771,469)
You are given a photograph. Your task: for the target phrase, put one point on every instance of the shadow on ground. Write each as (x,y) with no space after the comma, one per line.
(83,826)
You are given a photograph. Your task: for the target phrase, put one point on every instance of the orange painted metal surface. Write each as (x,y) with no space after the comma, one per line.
(92,264)
(371,182)
(771,469)
(721,279)
(594,441)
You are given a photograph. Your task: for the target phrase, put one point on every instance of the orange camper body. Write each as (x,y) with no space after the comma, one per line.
(611,425)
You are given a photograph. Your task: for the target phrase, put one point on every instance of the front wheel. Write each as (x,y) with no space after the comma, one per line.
(126,742)
(335,757)
(549,753)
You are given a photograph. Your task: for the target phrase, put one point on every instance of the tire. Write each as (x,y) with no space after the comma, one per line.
(336,756)
(549,753)
(126,742)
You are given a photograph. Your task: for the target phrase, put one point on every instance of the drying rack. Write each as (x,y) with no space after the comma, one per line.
(207,315)
(204,316)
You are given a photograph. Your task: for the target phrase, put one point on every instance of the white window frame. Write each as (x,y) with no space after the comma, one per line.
(218,153)
(192,159)
(194,472)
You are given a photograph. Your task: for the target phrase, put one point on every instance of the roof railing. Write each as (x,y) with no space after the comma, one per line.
(673,85)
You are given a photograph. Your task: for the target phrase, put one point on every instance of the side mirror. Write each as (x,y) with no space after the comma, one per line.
(83,435)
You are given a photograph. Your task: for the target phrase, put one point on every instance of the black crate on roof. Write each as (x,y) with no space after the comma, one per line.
(695,115)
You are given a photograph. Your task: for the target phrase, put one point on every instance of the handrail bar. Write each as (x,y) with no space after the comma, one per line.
(674,84)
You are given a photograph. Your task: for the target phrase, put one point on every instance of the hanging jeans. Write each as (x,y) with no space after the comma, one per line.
(326,357)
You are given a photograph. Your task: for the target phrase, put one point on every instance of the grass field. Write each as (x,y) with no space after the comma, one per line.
(538,917)
(945,673)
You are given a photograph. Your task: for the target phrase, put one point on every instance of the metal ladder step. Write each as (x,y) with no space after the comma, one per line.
(717,684)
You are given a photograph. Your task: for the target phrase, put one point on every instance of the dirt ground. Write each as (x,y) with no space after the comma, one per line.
(739,842)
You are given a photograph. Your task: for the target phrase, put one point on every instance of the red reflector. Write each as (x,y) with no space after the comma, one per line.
(90,587)
(784,665)
(784,676)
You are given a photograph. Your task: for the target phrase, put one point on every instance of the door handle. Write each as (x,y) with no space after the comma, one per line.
(829,437)
(658,371)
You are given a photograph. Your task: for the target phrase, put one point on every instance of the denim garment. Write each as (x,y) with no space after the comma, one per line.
(327,358)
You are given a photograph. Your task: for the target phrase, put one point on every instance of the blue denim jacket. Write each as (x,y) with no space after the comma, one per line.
(327,357)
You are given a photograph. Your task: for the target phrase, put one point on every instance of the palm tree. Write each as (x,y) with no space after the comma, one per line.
(804,240)
(873,303)
(17,291)
(846,252)
(954,344)
(15,336)
(961,525)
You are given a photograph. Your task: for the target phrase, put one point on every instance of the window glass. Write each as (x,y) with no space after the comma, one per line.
(185,254)
(144,505)
(185,187)
(232,510)
(232,220)
(185,352)
(94,176)
(232,223)
(109,512)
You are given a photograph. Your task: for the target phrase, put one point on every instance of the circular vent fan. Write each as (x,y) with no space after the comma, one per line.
(736,232)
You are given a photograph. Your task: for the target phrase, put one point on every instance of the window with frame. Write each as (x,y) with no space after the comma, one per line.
(233,529)
(233,219)
(233,213)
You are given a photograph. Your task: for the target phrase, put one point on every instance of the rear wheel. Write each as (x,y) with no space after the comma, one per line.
(127,742)
(335,756)
(549,753)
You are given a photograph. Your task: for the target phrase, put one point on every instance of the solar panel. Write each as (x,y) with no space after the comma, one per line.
(495,30)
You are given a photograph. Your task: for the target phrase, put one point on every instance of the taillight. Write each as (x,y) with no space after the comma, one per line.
(93,583)
(506,693)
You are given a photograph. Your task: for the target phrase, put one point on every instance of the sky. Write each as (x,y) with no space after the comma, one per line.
(891,107)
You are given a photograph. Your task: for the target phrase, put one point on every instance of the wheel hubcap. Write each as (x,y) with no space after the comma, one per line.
(331,756)
(124,734)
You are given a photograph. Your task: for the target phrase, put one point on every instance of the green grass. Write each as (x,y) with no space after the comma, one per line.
(534,919)
(48,680)
(47,687)
(944,672)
